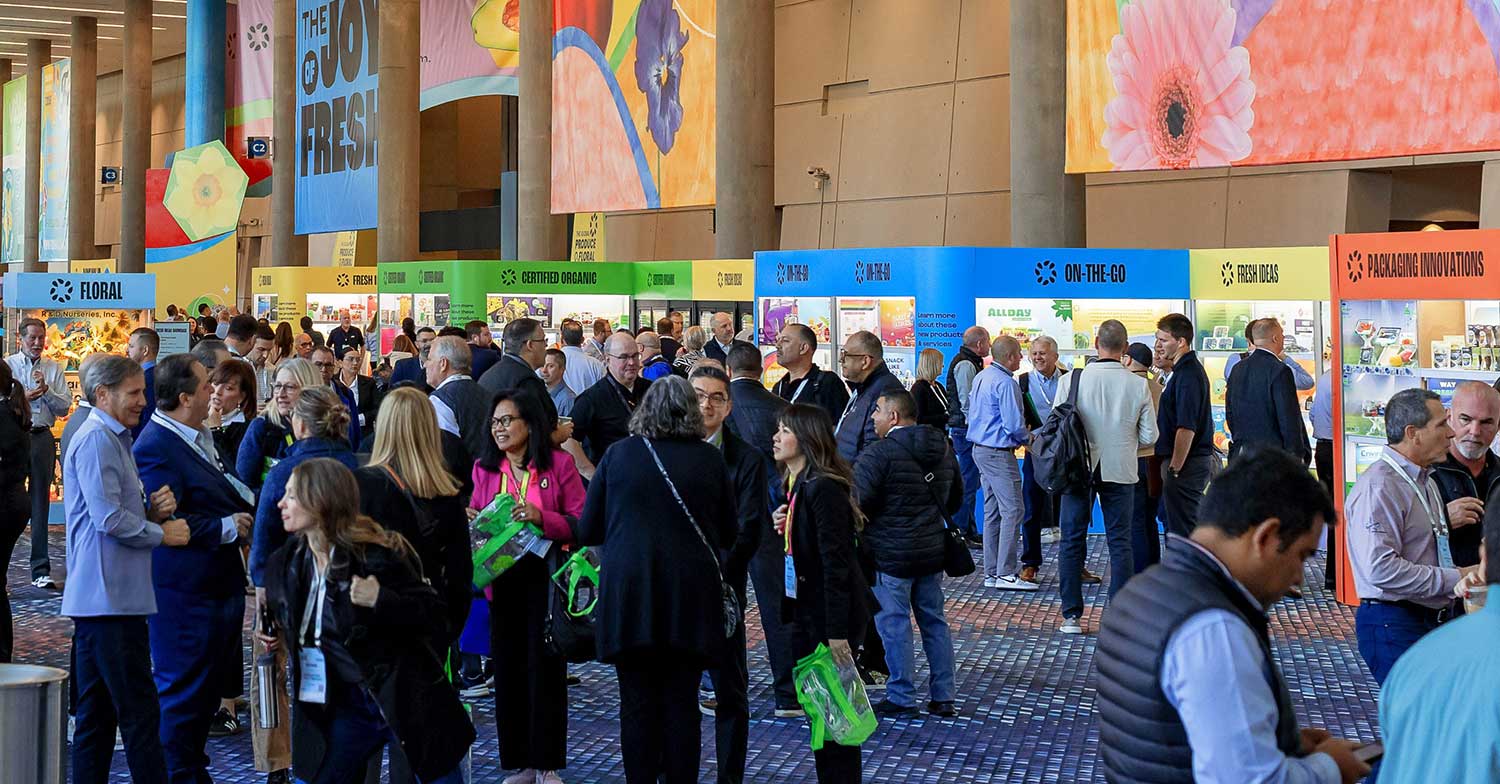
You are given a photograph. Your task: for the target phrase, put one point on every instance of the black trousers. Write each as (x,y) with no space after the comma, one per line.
(1323,462)
(1043,511)
(15,510)
(835,764)
(531,682)
(1182,493)
(43,471)
(768,576)
(731,679)
(112,666)
(660,736)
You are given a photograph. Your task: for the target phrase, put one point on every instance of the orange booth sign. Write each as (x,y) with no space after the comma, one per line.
(1410,310)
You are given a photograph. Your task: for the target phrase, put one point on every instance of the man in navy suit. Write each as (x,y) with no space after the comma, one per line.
(410,369)
(200,588)
(1260,404)
(143,346)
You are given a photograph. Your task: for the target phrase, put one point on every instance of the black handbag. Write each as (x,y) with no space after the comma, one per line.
(730,598)
(570,607)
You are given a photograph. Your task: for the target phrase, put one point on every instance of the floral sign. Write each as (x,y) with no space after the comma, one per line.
(1181,84)
(632,104)
(205,189)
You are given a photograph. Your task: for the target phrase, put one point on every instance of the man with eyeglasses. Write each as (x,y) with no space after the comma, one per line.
(863,364)
(601,415)
(409,369)
(748,469)
(323,360)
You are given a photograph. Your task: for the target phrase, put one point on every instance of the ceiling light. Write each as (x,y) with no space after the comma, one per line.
(62,8)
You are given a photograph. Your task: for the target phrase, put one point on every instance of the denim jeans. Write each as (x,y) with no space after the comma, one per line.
(1385,632)
(964,451)
(1116,501)
(899,597)
(356,733)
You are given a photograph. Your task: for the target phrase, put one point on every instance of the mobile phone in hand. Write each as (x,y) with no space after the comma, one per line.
(1370,752)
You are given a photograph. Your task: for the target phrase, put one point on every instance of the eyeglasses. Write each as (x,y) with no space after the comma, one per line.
(537,340)
(717,398)
(323,365)
(503,421)
(277,389)
(628,359)
(843,355)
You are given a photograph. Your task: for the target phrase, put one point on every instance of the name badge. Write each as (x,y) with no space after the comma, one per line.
(791,578)
(313,687)
(1445,552)
(361,420)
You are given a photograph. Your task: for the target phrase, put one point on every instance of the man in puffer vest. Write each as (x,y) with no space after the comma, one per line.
(1188,689)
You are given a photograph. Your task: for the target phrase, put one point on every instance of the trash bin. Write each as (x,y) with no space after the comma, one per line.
(33,723)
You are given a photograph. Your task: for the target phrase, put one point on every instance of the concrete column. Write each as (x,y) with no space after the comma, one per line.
(744,189)
(1046,205)
(135,151)
(83,104)
(1489,196)
(38,54)
(399,126)
(540,236)
(204,93)
(287,248)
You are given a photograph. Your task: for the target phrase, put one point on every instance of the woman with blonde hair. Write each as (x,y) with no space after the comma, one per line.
(349,598)
(693,341)
(269,435)
(932,399)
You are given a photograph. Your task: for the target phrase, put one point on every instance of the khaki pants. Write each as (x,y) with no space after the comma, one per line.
(273,748)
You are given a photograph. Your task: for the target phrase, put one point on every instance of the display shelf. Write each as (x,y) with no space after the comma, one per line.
(1380,370)
(1464,374)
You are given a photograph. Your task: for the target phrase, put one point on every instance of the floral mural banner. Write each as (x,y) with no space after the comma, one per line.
(52,240)
(632,104)
(469,48)
(247,88)
(12,169)
(1183,84)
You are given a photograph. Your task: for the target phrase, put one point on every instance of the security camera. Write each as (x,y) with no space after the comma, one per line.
(817,172)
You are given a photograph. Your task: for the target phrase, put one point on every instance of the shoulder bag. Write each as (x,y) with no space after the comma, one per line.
(731,599)
(957,560)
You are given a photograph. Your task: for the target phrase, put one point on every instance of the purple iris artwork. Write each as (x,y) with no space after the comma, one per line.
(658,69)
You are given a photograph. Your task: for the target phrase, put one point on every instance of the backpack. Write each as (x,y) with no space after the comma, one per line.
(1059,449)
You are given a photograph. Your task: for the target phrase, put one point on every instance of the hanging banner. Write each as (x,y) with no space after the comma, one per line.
(13,161)
(54,205)
(588,237)
(194,274)
(336,111)
(247,89)
(469,48)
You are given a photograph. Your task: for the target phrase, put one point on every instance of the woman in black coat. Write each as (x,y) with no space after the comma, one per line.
(817,520)
(373,629)
(15,502)
(660,618)
(932,400)
(231,408)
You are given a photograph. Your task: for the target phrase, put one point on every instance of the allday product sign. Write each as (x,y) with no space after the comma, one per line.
(336,115)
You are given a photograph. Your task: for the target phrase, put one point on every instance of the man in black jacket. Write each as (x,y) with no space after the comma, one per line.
(525,344)
(804,381)
(863,363)
(1260,402)
(907,484)
(722,325)
(602,413)
(1471,471)
(755,408)
(748,471)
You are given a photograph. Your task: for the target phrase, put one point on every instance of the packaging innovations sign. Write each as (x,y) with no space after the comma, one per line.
(337,60)
(1417,265)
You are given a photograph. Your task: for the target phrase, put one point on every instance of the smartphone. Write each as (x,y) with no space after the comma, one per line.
(564,420)
(1370,752)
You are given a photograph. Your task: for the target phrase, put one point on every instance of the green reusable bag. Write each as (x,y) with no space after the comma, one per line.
(834,697)
(498,540)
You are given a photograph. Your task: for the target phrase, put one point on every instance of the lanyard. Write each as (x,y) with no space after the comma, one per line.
(791,513)
(1041,391)
(1438,523)
(615,386)
(802,385)
(847,408)
(505,485)
(316,594)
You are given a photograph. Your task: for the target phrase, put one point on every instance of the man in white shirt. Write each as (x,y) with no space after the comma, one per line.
(461,405)
(47,391)
(1115,408)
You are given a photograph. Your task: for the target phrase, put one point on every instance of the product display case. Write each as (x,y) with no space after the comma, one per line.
(1411,310)
(322,293)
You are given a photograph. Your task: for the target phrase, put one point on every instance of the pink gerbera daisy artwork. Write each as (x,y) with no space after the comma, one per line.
(1182,89)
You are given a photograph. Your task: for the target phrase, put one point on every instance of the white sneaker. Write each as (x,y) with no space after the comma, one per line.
(1050,535)
(524,777)
(1071,626)
(45,582)
(1013,582)
(992,582)
(549,777)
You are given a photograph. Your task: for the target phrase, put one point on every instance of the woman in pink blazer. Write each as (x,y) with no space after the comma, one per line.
(531,693)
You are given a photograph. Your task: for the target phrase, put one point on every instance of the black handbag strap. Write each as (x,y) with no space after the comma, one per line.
(694,520)
(926,479)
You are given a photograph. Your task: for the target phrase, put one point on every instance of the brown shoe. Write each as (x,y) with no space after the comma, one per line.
(1091,578)
(1028,573)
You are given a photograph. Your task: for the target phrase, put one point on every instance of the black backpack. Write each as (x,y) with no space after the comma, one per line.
(1059,449)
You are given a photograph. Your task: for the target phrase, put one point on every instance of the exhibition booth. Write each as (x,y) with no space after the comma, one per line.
(1411,309)
(913,298)
(322,293)
(697,289)
(1234,286)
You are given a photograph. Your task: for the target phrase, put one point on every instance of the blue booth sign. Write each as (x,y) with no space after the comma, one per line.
(76,291)
(1080,273)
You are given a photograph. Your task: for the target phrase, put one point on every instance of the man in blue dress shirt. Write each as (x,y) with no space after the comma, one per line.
(1188,687)
(997,428)
(112,528)
(1322,423)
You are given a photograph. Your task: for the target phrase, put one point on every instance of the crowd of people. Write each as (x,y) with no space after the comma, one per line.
(339,492)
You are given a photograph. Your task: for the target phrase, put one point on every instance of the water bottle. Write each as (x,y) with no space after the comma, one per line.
(267,715)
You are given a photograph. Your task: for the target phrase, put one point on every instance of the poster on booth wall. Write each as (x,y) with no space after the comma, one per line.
(265,307)
(505,308)
(777,312)
(13,161)
(1028,319)
(74,334)
(897,327)
(858,315)
(53,228)
(336,109)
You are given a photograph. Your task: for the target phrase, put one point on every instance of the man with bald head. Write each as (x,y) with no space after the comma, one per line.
(722,326)
(965,365)
(1260,403)
(997,428)
(1470,472)
(804,381)
(601,415)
